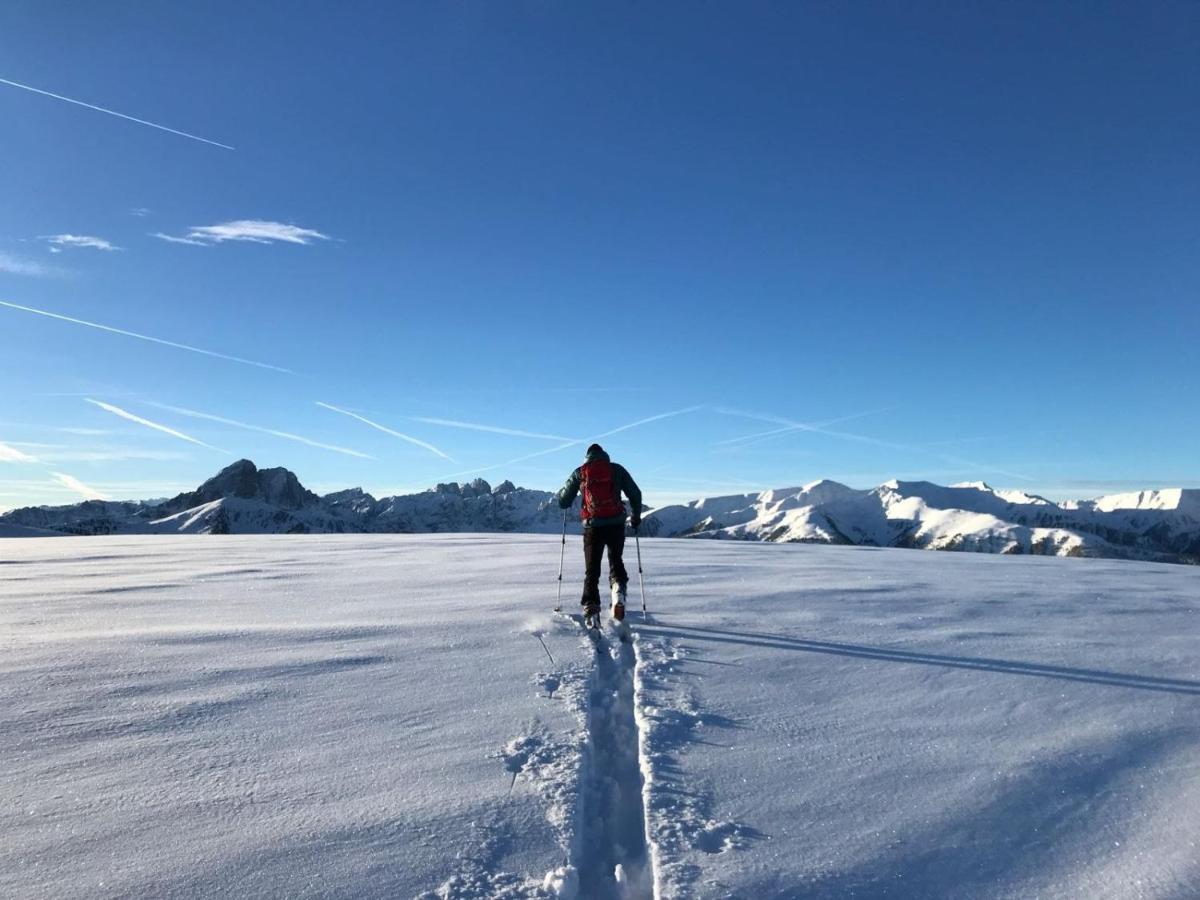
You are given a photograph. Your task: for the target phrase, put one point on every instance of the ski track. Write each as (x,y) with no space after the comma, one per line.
(614,858)
(628,822)
(592,786)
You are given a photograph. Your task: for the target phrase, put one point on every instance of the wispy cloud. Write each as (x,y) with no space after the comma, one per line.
(493,429)
(144,337)
(79,240)
(140,211)
(386,430)
(111,454)
(125,414)
(255,231)
(179,240)
(13,455)
(78,486)
(111,112)
(300,439)
(14,265)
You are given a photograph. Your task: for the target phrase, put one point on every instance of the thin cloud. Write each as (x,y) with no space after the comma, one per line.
(14,265)
(300,439)
(79,240)
(255,231)
(78,486)
(111,112)
(385,430)
(13,455)
(110,454)
(124,414)
(140,211)
(493,429)
(145,337)
(178,240)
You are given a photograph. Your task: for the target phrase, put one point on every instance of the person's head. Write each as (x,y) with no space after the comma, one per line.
(594,450)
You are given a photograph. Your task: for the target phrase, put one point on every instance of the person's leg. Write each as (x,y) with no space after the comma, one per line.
(593,553)
(614,539)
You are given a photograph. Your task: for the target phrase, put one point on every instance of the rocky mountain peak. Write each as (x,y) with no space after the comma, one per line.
(243,479)
(477,488)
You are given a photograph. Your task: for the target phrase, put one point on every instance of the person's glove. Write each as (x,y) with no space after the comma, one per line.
(634,521)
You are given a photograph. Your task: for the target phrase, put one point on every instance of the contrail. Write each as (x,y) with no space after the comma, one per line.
(280,434)
(494,429)
(403,437)
(802,426)
(576,443)
(76,485)
(13,455)
(748,439)
(649,419)
(875,442)
(112,112)
(117,411)
(144,337)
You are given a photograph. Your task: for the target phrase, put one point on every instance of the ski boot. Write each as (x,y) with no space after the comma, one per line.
(591,615)
(618,602)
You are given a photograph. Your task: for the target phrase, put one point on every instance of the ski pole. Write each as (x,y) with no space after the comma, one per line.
(641,578)
(561,554)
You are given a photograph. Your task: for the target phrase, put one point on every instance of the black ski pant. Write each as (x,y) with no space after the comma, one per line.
(595,539)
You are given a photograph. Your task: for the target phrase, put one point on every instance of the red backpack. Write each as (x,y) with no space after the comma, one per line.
(601,497)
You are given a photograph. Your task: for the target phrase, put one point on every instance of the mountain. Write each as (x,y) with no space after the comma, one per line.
(1159,525)
(244,499)
(1152,525)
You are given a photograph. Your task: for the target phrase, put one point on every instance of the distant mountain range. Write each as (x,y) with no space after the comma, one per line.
(1161,525)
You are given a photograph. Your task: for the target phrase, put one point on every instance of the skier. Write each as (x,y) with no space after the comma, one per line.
(603,515)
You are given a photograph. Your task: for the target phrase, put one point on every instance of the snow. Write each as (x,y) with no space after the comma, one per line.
(402,716)
(1183,500)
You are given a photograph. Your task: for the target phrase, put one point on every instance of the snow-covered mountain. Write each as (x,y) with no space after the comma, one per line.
(1156,525)
(243,499)
(1159,525)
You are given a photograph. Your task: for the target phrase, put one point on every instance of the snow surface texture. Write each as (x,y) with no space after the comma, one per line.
(402,716)
(1163,526)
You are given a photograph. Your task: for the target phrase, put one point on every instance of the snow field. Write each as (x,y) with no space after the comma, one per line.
(402,716)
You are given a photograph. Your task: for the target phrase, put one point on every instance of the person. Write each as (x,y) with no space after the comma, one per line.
(602,482)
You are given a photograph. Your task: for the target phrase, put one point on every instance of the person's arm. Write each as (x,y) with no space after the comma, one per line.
(633,492)
(566,496)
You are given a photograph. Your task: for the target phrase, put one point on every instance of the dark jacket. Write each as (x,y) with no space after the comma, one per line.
(623,482)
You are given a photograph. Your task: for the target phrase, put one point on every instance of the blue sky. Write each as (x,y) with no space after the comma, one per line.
(955,241)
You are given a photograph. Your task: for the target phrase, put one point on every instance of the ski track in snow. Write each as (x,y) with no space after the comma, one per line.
(590,783)
(614,860)
(614,791)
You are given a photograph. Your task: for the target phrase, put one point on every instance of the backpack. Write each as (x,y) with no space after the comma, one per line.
(601,496)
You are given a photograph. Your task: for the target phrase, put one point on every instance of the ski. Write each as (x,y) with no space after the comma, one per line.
(596,632)
(592,630)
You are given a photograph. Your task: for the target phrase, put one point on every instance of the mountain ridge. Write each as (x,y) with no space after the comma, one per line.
(1161,525)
